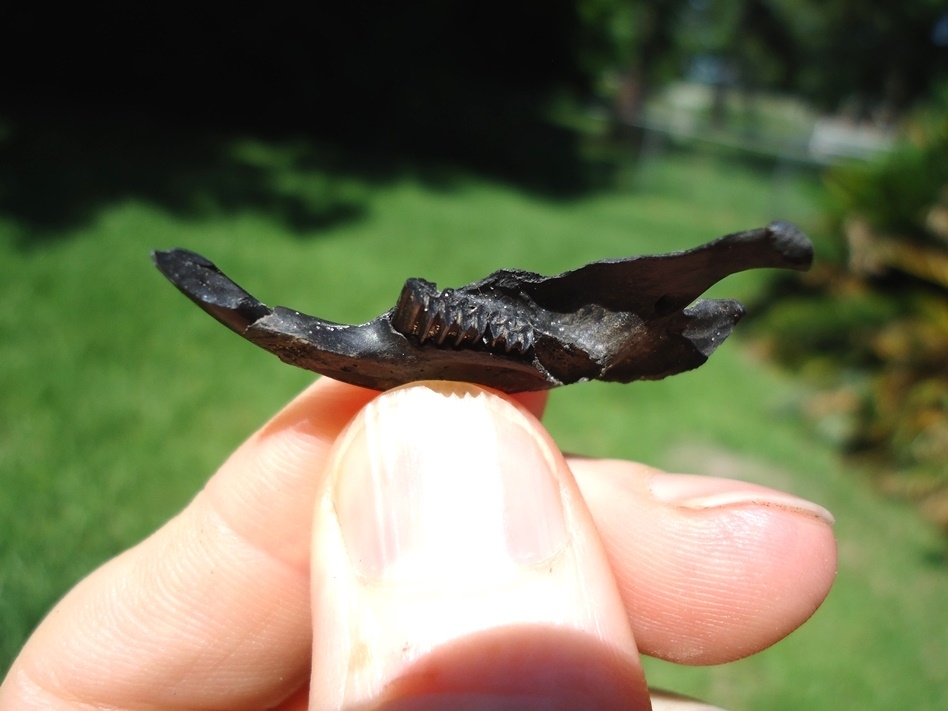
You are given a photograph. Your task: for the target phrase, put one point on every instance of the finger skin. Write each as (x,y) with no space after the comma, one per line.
(428,591)
(706,586)
(211,611)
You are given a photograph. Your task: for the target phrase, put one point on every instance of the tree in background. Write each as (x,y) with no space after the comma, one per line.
(629,47)
(468,82)
(866,56)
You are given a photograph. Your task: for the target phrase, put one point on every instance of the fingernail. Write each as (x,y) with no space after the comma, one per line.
(445,479)
(700,492)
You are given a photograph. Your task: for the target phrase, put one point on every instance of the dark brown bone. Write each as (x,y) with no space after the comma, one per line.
(617,320)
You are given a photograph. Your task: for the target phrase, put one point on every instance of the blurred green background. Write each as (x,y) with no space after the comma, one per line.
(321,158)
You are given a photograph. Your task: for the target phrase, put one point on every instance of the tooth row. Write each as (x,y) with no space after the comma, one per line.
(449,318)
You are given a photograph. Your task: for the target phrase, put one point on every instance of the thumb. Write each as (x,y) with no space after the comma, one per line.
(455,565)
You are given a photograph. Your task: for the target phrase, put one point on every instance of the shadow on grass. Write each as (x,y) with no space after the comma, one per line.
(58,171)
(56,174)
(937,557)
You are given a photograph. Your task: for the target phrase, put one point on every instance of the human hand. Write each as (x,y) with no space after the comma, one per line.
(438,552)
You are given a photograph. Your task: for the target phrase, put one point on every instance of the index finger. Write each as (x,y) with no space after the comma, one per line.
(213,610)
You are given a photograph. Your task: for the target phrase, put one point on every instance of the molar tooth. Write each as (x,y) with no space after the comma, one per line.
(469,328)
(448,330)
(405,317)
(433,325)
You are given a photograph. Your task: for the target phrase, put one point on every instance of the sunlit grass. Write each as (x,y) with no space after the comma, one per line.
(119,397)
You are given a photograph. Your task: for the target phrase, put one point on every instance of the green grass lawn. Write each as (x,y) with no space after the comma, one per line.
(118,397)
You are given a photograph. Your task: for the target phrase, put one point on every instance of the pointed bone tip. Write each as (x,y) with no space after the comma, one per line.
(793,245)
(200,280)
(720,310)
(162,258)
(176,261)
(711,321)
